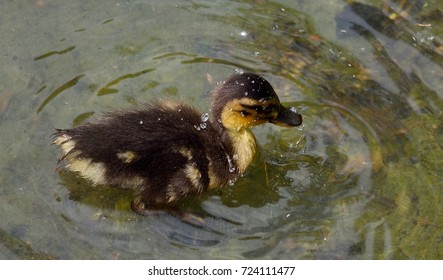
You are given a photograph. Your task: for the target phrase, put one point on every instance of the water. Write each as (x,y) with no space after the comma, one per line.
(362,179)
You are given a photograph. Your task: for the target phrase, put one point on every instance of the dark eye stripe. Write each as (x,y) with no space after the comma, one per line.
(260,109)
(251,107)
(245,113)
(267,109)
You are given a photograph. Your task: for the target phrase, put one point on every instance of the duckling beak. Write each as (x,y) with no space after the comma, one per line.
(287,117)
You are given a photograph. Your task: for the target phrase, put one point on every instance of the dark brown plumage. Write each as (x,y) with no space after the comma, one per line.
(167,150)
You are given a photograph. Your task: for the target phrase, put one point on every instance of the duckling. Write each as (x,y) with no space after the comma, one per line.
(167,150)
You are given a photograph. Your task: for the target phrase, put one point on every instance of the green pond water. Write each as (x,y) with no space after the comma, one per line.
(361,179)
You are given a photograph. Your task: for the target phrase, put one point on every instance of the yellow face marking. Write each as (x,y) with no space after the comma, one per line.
(127,156)
(95,172)
(239,113)
(237,116)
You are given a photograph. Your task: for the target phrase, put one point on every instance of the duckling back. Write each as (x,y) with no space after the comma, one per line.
(166,151)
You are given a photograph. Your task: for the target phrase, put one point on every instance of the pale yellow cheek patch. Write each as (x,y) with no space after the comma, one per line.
(127,157)
(95,172)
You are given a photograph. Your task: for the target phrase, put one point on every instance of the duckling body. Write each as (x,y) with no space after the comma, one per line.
(168,150)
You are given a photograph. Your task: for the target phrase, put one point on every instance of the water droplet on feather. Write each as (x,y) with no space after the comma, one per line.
(204,117)
(293,109)
(231,164)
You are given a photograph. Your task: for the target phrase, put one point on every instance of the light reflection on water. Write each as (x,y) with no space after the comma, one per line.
(361,178)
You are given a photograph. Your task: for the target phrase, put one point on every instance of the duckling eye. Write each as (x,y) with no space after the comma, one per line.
(245,113)
(267,109)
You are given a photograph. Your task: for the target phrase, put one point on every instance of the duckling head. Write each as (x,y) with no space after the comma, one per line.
(246,100)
